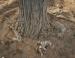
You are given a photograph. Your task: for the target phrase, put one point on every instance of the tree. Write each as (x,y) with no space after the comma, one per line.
(33,17)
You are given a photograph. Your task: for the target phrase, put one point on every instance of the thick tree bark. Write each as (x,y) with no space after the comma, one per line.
(33,17)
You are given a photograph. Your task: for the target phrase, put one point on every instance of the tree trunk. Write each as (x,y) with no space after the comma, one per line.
(33,17)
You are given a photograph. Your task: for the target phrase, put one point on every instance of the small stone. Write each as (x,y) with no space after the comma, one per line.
(2,57)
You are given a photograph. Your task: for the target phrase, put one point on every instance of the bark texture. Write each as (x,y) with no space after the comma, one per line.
(32,17)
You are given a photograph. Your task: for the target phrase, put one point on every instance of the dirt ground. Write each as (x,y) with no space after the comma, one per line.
(61,32)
